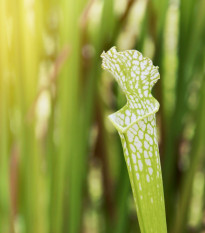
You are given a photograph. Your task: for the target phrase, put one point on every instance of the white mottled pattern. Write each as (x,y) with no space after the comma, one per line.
(136,125)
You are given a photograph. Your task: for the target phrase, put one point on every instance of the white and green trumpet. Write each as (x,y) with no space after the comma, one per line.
(136,124)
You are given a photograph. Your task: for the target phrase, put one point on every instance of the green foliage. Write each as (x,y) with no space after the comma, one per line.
(136,125)
(61,161)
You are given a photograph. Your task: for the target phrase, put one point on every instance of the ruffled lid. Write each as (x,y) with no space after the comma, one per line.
(136,76)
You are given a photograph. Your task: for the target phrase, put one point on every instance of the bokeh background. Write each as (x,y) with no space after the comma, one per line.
(61,162)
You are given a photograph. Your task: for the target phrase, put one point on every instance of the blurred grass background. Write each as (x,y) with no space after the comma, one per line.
(61,162)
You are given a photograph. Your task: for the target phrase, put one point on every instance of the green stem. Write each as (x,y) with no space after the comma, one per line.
(196,158)
(5,200)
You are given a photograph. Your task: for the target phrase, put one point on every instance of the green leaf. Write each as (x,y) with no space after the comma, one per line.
(136,125)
